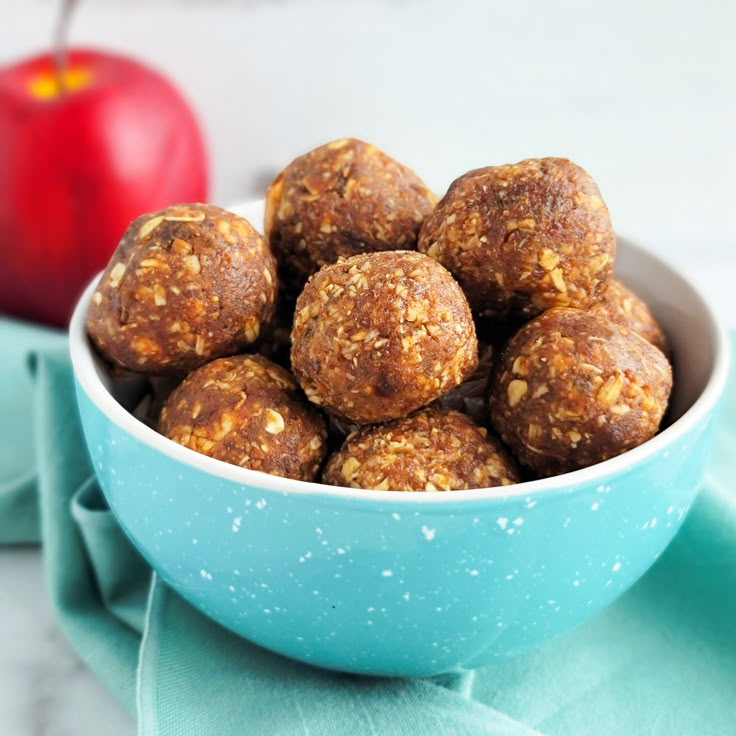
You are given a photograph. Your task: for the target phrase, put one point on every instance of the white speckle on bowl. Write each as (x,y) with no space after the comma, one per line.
(670,509)
(645,525)
(518,521)
(370,609)
(666,453)
(439,609)
(510,531)
(267,611)
(406,596)
(261,504)
(595,506)
(237,521)
(654,522)
(428,533)
(472,572)
(369,622)
(230,509)
(502,521)
(396,516)
(616,567)
(315,592)
(206,575)
(194,540)
(340,551)
(387,573)
(551,601)
(318,530)
(237,572)
(566,523)
(510,576)
(530,503)
(576,583)
(300,638)
(231,588)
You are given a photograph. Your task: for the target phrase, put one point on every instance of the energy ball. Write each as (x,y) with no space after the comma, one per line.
(186,284)
(247,411)
(379,335)
(522,238)
(341,199)
(572,389)
(619,304)
(432,450)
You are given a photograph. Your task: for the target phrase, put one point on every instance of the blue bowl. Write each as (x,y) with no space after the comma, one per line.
(390,583)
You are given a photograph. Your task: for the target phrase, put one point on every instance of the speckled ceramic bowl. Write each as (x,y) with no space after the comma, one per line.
(410,584)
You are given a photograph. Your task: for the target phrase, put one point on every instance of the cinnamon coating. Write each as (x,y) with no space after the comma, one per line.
(572,389)
(522,238)
(621,305)
(432,450)
(186,284)
(247,411)
(379,335)
(341,199)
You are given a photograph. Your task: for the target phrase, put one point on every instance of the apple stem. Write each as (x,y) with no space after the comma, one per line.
(61,35)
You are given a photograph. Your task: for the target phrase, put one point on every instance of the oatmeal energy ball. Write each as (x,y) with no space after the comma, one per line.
(247,411)
(186,284)
(572,389)
(619,304)
(379,335)
(341,199)
(432,450)
(522,238)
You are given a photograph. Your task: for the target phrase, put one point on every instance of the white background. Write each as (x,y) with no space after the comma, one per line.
(641,94)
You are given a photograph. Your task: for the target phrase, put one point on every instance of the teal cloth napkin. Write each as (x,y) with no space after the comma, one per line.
(660,661)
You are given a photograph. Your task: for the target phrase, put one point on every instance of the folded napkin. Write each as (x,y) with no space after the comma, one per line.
(660,661)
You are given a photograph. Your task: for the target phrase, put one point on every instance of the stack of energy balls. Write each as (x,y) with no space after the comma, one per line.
(352,329)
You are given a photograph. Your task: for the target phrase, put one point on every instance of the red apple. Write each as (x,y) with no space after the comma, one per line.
(78,161)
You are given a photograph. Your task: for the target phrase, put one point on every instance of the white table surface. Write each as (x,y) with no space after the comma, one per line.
(642,94)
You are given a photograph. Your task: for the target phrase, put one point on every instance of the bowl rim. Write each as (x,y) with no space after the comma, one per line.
(82,356)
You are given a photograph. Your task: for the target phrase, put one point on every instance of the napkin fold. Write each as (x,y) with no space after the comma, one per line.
(660,661)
